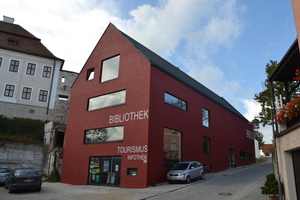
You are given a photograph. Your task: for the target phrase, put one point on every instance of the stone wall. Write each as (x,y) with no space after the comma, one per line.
(15,154)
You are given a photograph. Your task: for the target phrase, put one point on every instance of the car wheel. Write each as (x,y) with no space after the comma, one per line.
(188,179)
(38,189)
(202,176)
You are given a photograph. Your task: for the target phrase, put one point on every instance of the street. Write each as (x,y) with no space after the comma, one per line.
(242,183)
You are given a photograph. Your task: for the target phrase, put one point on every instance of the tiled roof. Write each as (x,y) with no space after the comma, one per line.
(176,73)
(25,41)
(267,148)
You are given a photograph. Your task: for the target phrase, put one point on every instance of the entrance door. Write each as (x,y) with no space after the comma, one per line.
(296,165)
(232,158)
(105,170)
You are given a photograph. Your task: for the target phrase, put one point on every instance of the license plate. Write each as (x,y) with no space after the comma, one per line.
(28,180)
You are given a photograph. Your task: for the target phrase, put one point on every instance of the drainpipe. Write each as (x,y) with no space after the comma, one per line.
(276,155)
(50,92)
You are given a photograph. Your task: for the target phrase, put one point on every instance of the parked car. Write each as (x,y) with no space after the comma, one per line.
(185,172)
(23,178)
(3,172)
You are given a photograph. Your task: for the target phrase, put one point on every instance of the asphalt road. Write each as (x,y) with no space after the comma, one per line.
(242,183)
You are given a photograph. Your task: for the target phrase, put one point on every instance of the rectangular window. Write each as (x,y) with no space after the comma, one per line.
(246,155)
(9,90)
(63,97)
(46,72)
(172,146)
(206,145)
(1,62)
(101,135)
(90,74)
(43,95)
(107,100)
(174,101)
(131,171)
(110,69)
(30,69)
(205,117)
(26,93)
(14,66)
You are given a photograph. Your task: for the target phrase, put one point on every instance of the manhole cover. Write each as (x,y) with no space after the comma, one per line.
(225,194)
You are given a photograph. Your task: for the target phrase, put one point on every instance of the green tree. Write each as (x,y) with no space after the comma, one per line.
(259,137)
(265,97)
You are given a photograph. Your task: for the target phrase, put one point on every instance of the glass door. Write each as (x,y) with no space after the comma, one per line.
(107,172)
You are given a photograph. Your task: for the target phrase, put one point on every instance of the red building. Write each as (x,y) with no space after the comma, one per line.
(132,113)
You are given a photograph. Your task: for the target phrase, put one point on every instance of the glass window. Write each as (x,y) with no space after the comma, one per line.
(90,74)
(46,72)
(30,69)
(107,100)
(9,90)
(99,135)
(206,145)
(43,95)
(172,146)
(26,93)
(174,101)
(14,66)
(110,69)
(1,62)
(205,117)
(246,155)
(131,171)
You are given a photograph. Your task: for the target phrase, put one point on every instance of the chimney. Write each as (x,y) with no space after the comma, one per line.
(8,19)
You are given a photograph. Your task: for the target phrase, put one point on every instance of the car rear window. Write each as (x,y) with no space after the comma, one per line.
(24,172)
(4,170)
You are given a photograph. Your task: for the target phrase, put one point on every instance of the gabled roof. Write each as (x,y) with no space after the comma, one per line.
(176,73)
(25,41)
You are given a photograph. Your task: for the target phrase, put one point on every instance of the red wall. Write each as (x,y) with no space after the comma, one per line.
(135,75)
(226,129)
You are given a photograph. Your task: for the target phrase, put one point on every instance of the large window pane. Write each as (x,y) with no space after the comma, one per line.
(110,69)
(206,145)
(108,100)
(174,101)
(99,135)
(172,146)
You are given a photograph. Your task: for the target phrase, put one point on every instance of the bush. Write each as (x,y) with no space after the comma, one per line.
(271,185)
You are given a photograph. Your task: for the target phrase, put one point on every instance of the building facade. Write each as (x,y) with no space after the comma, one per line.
(132,115)
(29,74)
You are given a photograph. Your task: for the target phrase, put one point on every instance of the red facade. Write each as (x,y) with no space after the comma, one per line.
(138,157)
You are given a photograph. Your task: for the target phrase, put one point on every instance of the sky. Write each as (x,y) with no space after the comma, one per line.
(223,44)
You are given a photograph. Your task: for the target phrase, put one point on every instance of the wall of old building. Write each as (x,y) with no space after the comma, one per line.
(16,154)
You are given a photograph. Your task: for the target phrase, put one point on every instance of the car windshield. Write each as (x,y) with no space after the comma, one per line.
(3,170)
(181,166)
(24,172)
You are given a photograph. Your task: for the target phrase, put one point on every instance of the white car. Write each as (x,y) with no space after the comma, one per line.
(185,172)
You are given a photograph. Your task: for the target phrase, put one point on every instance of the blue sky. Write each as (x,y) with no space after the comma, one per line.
(224,44)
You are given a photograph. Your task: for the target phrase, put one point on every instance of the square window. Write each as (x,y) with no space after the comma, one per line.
(26,93)
(30,69)
(14,66)
(46,72)
(205,117)
(9,90)
(31,111)
(110,69)
(43,95)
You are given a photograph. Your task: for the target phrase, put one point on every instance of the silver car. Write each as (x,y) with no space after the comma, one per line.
(3,172)
(185,172)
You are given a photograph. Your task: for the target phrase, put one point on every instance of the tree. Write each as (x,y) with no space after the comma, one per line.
(259,137)
(265,97)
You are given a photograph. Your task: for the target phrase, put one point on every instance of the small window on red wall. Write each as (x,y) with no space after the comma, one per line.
(110,69)
(90,74)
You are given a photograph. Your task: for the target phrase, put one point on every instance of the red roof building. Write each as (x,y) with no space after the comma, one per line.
(132,114)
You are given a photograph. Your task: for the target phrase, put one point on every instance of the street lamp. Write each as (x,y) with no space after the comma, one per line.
(255,122)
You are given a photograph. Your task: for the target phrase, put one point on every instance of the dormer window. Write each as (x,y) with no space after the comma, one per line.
(12,42)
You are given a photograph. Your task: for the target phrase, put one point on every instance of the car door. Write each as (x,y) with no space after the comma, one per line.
(193,170)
